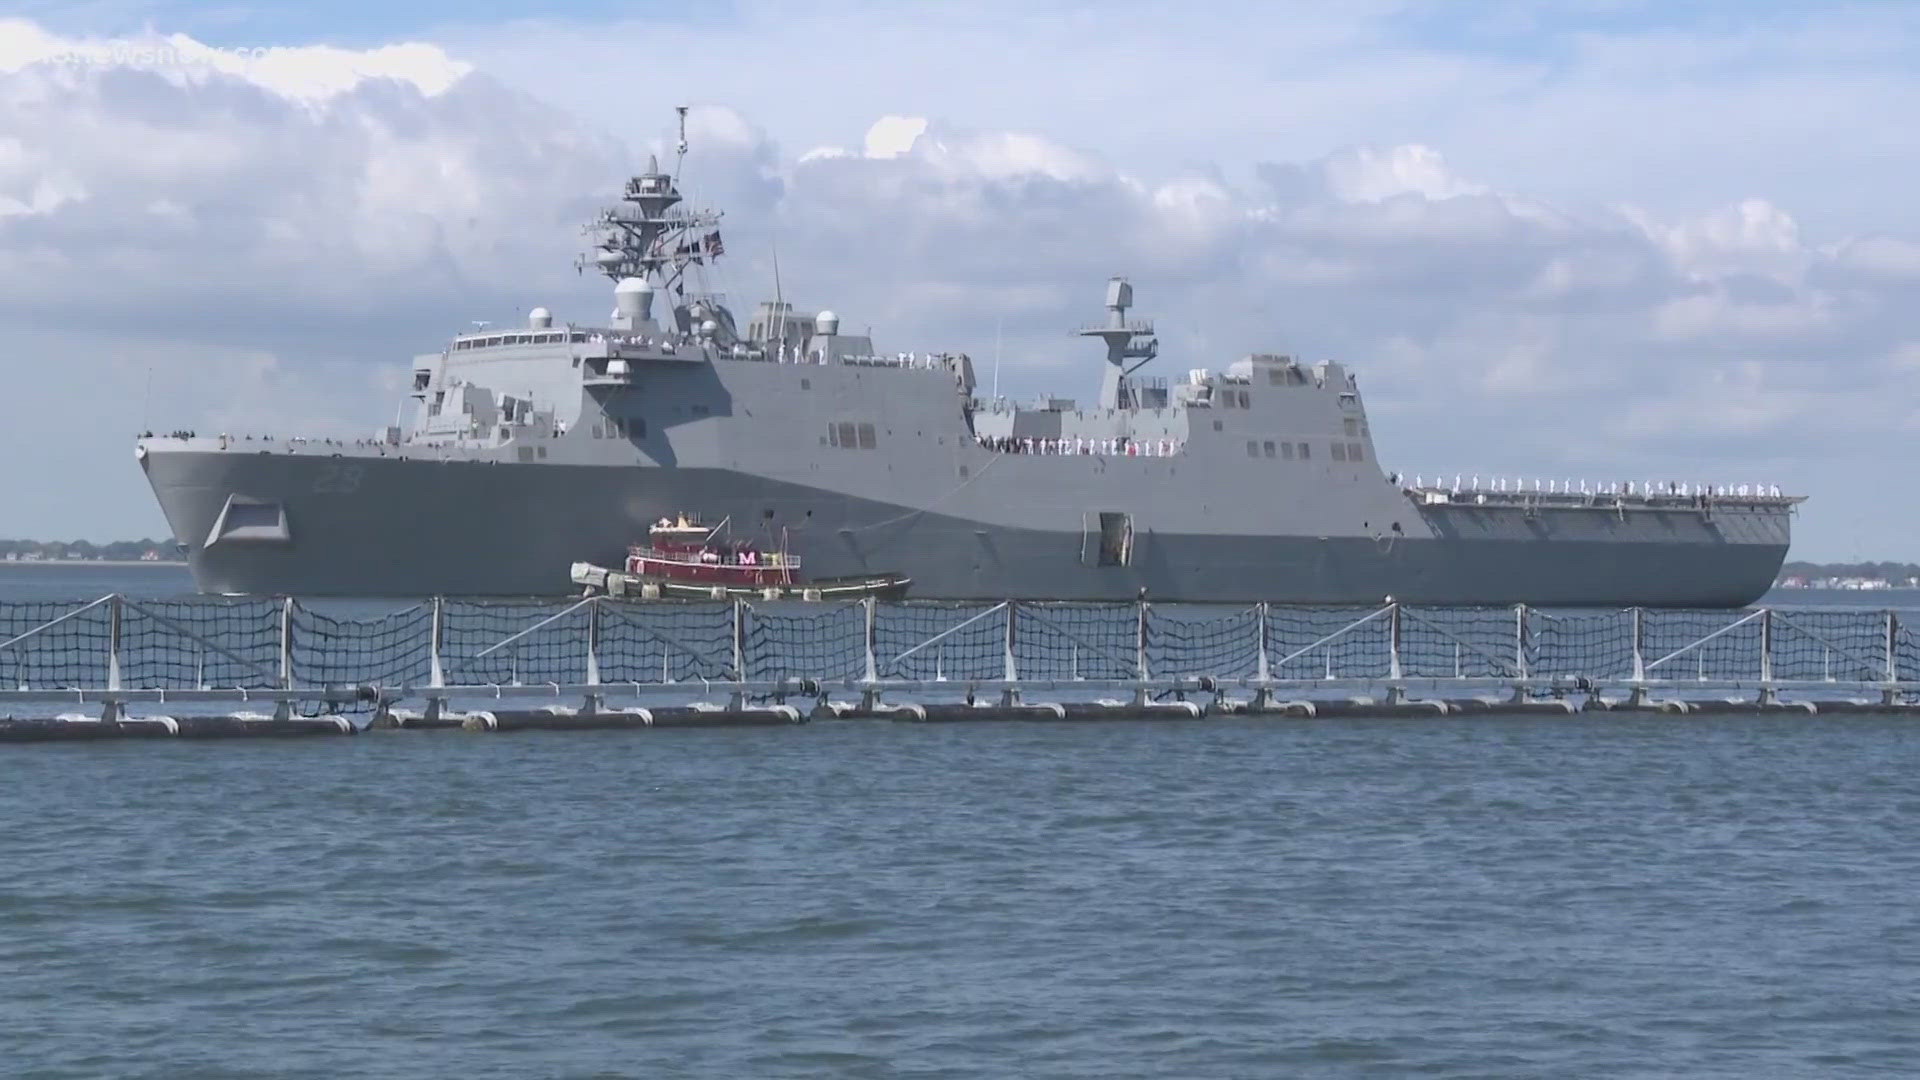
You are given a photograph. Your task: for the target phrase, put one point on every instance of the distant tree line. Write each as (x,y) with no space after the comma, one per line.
(118,550)
(1876,571)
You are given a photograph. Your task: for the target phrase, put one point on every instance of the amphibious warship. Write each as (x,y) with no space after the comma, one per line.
(536,447)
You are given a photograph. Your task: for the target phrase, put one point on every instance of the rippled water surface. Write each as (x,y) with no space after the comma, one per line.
(1585,896)
(1478,897)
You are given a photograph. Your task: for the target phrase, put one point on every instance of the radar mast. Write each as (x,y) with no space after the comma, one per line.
(1127,339)
(648,235)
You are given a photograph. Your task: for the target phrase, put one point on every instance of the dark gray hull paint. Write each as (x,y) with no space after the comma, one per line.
(421,527)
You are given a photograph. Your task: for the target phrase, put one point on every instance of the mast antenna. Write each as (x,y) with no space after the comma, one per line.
(779,299)
(681,152)
(998,323)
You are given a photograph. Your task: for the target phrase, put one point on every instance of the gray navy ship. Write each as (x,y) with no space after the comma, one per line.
(536,447)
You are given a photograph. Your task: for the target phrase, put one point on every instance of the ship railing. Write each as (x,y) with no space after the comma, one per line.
(114,652)
(1519,490)
(1136,327)
(1083,447)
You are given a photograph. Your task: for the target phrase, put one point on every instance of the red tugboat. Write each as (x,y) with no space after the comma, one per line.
(685,559)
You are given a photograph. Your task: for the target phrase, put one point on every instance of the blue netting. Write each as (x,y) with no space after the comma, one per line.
(392,650)
(1457,643)
(514,650)
(940,641)
(1327,643)
(1594,645)
(1076,641)
(1192,641)
(1847,646)
(1681,645)
(805,641)
(654,642)
(167,644)
(219,643)
(72,653)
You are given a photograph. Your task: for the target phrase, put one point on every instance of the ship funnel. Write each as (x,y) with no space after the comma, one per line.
(633,301)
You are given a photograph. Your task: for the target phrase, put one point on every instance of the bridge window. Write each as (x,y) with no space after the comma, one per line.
(1286,451)
(1353,427)
(1268,447)
(848,439)
(1353,452)
(1306,451)
(867,441)
(1339,451)
(1253,449)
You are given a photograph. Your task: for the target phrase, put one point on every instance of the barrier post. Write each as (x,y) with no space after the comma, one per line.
(286,643)
(739,640)
(873,666)
(594,700)
(1010,694)
(1140,640)
(113,643)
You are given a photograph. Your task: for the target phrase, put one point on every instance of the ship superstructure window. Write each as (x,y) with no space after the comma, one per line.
(1353,427)
(1268,447)
(867,441)
(1339,451)
(1286,451)
(845,436)
(701,410)
(1306,451)
(1253,448)
(1354,453)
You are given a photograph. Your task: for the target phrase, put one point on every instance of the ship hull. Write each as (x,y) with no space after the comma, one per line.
(422,527)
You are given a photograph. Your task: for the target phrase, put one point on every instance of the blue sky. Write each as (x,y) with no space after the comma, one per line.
(1578,240)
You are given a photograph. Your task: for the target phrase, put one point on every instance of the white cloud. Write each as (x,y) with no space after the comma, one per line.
(288,226)
(304,73)
(891,136)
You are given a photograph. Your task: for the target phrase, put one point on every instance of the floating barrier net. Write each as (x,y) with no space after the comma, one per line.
(269,644)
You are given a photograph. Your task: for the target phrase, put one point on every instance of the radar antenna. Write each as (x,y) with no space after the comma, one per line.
(649,236)
(680,155)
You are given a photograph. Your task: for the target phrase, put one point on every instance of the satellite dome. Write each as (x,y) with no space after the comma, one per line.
(708,327)
(633,299)
(539,318)
(826,323)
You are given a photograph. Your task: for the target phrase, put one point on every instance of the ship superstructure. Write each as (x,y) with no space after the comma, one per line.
(539,446)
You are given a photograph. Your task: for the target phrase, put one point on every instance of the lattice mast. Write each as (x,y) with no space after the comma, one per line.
(645,236)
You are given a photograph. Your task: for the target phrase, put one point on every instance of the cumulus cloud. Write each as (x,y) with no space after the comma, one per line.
(282,236)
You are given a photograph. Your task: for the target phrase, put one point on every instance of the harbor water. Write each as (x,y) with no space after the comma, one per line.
(1585,896)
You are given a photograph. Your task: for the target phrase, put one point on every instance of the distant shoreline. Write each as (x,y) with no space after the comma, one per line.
(93,562)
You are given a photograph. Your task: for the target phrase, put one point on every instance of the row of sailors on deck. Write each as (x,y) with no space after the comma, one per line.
(1121,445)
